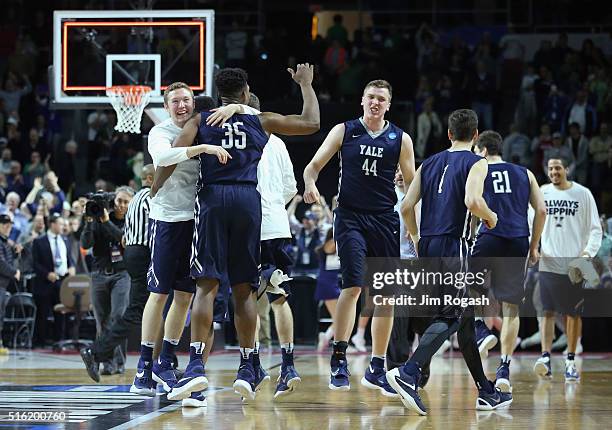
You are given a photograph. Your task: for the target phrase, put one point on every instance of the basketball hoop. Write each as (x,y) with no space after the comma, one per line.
(129,102)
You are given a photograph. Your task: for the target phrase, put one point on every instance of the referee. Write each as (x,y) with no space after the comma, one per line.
(137,257)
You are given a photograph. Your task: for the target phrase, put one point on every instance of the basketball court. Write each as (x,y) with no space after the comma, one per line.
(35,382)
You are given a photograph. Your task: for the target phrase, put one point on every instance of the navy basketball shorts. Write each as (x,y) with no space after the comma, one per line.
(445,254)
(226,235)
(506,260)
(274,256)
(170,252)
(360,235)
(558,294)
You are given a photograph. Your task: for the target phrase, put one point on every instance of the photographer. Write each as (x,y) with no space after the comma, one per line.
(111,283)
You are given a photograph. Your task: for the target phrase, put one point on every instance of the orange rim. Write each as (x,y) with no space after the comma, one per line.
(130,94)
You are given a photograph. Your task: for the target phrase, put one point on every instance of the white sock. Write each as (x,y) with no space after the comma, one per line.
(245,352)
(360,332)
(479,319)
(147,343)
(256,350)
(506,358)
(172,341)
(329,333)
(382,357)
(287,347)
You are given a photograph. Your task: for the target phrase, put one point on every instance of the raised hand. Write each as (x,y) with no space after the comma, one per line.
(303,74)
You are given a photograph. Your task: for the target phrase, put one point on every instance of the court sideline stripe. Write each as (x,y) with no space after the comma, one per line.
(148,417)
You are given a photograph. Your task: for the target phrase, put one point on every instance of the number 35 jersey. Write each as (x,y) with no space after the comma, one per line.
(506,191)
(244,139)
(368,162)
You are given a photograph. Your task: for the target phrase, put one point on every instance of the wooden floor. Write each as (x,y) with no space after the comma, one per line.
(36,381)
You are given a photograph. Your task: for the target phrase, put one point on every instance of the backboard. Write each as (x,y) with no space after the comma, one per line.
(96,49)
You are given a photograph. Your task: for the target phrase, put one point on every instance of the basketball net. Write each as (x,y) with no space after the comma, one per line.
(129,102)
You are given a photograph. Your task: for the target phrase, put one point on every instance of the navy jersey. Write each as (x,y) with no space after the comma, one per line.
(244,139)
(367,168)
(506,191)
(443,178)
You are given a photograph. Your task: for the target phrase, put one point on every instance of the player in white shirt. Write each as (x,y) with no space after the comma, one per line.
(572,230)
(170,231)
(277,186)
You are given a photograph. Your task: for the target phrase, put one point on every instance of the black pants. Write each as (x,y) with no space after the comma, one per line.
(402,337)
(46,297)
(137,260)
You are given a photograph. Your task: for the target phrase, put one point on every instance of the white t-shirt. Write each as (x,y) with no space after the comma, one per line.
(572,227)
(277,186)
(175,201)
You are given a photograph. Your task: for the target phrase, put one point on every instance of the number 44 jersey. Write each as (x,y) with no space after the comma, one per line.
(368,161)
(244,139)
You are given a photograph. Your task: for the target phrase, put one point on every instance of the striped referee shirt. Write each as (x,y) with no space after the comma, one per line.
(137,219)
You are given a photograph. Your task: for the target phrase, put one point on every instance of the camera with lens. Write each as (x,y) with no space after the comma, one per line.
(97,202)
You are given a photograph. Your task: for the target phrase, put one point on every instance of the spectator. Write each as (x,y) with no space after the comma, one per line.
(3,187)
(599,148)
(423,92)
(235,46)
(12,93)
(445,97)
(591,56)
(526,114)
(539,145)
(599,86)
(482,91)
(46,187)
(96,121)
(337,32)
(429,131)
(34,144)
(20,221)
(34,230)
(335,61)
(516,147)
(559,151)
(582,113)
(35,168)
(16,181)
(579,145)
(74,228)
(328,284)
(65,165)
(554,110)
(544,56)
(5,162)
(308,240)
(425,40)
(542,87)
(513,55)
(52,263)
(561,49)
(9,272)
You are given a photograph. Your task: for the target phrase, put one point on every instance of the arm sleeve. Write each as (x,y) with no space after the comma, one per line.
(593,226)
(111,230)
(6,270)
(162,152)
